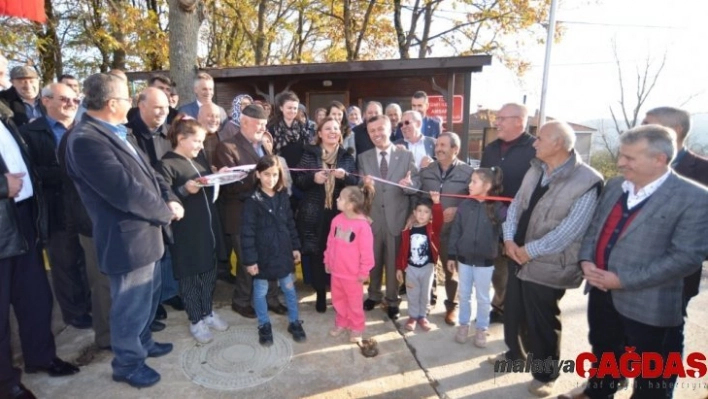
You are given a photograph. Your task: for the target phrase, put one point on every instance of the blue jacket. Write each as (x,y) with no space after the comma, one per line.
(432,126)
(268,235)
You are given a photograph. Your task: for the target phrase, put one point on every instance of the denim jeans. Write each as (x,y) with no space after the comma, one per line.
(481,278)
(170,287)
(135,296)
(260,289)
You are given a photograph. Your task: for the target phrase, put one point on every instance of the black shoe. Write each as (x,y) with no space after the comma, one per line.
(82,322)
(433,299)
(156,326)
(496,317)
(161,313)
(18,391)
(245,311)
(56,368)
(393,312)
(370,304)
(265,335)
(402,289)
(321,303)
(160,349)
(175,302)
(278,309)
(295,329)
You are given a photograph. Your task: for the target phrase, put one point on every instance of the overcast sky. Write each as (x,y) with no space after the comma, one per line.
(583,76)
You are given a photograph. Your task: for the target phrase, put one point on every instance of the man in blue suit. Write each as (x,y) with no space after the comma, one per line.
(432,126)
(204,90)
(130,207)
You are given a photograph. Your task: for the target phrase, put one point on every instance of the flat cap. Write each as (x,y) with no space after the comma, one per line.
(255,111)
(23,72)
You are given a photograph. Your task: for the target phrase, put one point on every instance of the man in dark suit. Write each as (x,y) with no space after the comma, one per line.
(687,164)
(647,235)
(512,151)
(23,96)
(164,84)
(63,248)
(130,207)
(204,90)
(432,125)
(23,280)
(422,147)
(244,148)
(389,209)
(362,140)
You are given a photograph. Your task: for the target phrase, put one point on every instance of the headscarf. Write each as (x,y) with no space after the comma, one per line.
(236,108)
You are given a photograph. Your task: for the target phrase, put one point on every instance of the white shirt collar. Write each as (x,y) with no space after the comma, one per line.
(387,149)
(643,193)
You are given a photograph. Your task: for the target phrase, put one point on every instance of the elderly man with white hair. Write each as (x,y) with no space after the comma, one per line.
(542,235)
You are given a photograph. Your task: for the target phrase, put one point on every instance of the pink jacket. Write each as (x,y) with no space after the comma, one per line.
(350,248)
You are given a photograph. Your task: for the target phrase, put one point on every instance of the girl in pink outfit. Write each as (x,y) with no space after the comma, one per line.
(349,257)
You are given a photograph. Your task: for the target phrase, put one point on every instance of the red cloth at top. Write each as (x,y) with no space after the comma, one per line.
(30,9)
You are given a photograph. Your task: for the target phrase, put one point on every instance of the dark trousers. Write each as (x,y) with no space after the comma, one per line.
(69,274)
(100,294)
(25,286)
(535,307)
(197,292)
(320,278)
(611,332)
(243,290)
(499,279)
(451,280)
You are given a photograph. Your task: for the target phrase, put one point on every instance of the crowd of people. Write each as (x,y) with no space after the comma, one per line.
(119,198)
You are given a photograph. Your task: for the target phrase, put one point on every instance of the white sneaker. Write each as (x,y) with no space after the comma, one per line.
(201,333)
(215,322)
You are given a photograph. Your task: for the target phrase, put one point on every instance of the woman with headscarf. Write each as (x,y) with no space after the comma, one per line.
(331,169)
(233,126)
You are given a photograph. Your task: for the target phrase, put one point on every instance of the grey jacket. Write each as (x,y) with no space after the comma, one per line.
(662,245)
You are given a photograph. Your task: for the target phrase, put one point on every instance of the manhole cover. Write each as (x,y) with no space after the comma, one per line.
(235,360)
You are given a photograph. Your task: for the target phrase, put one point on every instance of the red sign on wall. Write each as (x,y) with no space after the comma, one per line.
(438,107)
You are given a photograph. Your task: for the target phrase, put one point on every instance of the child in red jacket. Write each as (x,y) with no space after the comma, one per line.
(417,256)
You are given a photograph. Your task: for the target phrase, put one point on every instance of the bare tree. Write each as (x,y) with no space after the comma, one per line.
(185,17)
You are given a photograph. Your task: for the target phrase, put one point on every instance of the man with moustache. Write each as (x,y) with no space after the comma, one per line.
(23,96)
(63,248)
(448,175)
(389,209)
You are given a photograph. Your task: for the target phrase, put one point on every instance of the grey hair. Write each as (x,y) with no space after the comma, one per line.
(673,117)
(454,139)
(47,91)
(660,139)
(394,106)
(99,88)
(523,111)
(416,115)
(562,131)
(378,104)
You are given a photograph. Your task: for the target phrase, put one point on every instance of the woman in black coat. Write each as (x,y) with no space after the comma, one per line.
(195,240)
(320,191)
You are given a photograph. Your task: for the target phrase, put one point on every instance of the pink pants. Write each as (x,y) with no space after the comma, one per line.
(348,299)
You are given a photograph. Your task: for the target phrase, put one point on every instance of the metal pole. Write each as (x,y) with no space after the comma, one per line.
(547,62)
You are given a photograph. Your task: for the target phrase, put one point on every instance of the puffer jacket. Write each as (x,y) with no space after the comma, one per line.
(268,235)
(312,222)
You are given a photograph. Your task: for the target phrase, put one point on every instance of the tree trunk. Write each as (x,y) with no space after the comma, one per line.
(260,34)
(48,46)
(400,33)
(184,30)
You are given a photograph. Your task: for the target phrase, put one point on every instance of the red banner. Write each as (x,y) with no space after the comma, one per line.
(29,9)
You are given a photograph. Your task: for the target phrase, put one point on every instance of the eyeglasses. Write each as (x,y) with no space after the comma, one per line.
(502,118)
(407,123)
(67,100)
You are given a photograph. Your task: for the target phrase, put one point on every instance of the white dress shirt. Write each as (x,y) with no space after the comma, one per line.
(633,199)
(418,150)
(12,156)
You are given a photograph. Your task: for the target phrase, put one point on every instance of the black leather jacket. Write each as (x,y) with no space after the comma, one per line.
(12,242)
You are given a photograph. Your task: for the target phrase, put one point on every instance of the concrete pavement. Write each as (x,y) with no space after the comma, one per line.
(410,365)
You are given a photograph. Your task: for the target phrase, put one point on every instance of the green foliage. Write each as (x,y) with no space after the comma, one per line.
(603,162)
